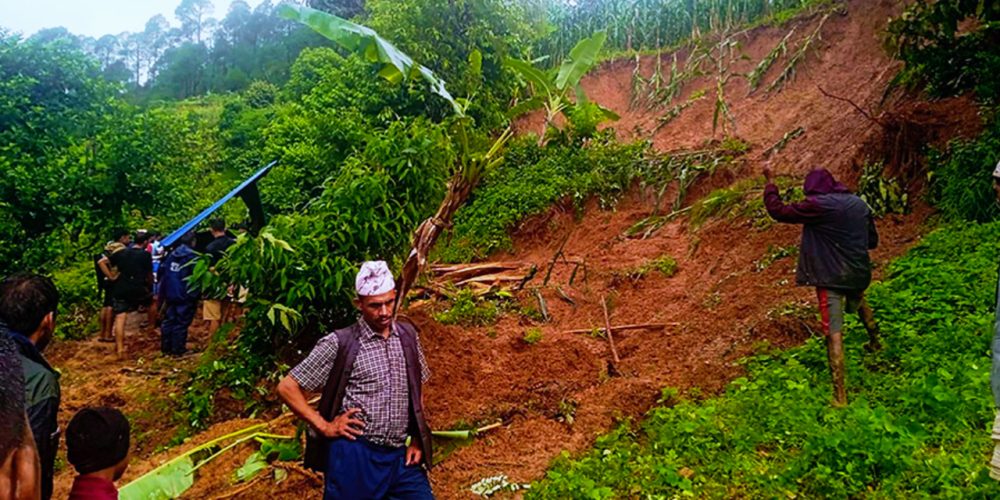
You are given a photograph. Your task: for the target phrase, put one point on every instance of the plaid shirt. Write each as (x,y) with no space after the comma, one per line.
(377,384)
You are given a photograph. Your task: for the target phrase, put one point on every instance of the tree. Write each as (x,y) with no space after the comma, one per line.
(155,39)
(194,17)
(342,8)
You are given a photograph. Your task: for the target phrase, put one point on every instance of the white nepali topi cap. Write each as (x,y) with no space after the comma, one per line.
(374,278)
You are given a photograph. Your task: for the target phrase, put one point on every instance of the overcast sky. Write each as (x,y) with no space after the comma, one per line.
(92,17)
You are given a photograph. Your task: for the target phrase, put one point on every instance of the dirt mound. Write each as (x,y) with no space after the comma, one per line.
(721,304)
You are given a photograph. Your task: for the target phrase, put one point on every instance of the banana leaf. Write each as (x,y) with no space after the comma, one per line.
(173,478)
(396,66)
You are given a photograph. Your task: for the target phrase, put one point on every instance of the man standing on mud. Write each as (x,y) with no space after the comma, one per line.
(371,373)
(838,230)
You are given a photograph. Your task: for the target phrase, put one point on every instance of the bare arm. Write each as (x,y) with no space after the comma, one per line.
(20,471)
(344,425)
(105,266)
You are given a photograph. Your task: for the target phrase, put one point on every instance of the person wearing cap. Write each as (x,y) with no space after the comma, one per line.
(97,444)
(371,375)
(838,230)
(179,298)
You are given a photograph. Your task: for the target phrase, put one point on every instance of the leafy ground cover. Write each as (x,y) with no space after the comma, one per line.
(917,423)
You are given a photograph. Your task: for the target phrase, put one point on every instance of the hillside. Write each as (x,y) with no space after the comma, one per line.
(728,298)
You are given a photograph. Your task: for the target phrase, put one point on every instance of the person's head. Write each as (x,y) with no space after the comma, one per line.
(28,304)
(97,439)
(218,226)
(376,293)
(996,182)
(141,238)
(188,238)
(821,181)
(121,236)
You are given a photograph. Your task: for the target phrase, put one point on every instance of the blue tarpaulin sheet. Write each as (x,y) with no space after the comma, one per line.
(247,184)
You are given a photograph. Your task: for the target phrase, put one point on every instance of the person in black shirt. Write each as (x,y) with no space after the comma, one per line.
(105,278)
(132,288)
(212,308)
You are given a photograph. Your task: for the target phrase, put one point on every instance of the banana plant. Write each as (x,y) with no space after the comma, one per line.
(396,67)
(552,88)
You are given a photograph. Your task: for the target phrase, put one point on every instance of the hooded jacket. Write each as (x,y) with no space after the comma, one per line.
(838,230)
(174,273)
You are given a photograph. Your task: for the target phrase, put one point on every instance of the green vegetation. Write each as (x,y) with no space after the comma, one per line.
(883,195)
(961,176)
(916,425)
(532,336)
(467,309)
(531,180)
(664,264)
(652,24)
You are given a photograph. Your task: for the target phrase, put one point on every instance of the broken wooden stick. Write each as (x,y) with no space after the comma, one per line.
(562,295)
(542,306)
(622,328)
(552,264)
(613,365)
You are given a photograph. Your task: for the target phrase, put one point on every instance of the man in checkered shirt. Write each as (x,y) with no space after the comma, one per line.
(373,406)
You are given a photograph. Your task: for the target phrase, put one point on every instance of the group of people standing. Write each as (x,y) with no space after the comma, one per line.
(135,273)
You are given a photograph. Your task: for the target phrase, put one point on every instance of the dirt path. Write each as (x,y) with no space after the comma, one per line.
(142,386)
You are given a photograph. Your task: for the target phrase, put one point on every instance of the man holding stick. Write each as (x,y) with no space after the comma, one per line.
(837,231)
(372,374)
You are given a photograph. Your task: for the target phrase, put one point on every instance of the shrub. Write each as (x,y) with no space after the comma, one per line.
(961,176)
(531,180)
(79,301)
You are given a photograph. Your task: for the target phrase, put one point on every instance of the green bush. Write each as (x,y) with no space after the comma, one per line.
(961,176)
(917,423)
(531,180)
(469,310)
(79,301)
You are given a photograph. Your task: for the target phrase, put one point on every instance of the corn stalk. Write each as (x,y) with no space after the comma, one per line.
(754,77)
(788,73)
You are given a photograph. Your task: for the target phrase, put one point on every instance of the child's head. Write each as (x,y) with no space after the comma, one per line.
(98,439)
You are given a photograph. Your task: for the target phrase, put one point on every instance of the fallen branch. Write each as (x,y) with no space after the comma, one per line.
(622,328)
(564,296)
(542,306)
(613,365)
(852,103)
(552,264)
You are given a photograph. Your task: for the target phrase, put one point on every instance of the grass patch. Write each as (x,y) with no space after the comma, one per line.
(917,423)
(532,336)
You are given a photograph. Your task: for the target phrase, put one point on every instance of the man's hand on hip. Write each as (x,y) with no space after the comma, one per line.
(344,425)
(413,454)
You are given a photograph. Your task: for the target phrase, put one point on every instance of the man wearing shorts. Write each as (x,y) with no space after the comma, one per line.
(837,231)
(105,279)
(212,308)
(132,288)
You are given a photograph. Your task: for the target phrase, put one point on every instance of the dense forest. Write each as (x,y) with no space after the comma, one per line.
(145,129)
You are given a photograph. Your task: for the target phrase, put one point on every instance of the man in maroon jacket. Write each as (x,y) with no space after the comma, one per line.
(837,231)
